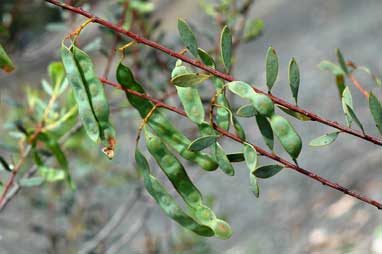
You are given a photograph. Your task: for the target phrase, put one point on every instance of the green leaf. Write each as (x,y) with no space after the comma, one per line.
(272,67)
(5,164)
(189,79)
(55,148)
(266,131)
(250,156)
(340,82)
(247,110)
(295,114)
(354,117)
(6,63)
(235,157)
(142,7)
(267,171)
(347,101)
(254,185)
(226,47)
(294,78)
(192,103)
(376,111)
(239,130)
(56,72)
(188,37)
(251,159)
(329,66)
(46,86)
(221,158)
(341,61)
(241,89)
(206,58)
(253,29)
(202,143)
(31,182)
(325,140)
(51,174)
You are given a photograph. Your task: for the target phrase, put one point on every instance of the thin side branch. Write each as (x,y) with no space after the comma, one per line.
(214,72)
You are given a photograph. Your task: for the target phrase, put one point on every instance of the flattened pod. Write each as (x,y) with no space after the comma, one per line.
(93,85)
(263,104)
(166,201)
(189,96)
(160,124)
(79,90)
(287,135)
(173,169)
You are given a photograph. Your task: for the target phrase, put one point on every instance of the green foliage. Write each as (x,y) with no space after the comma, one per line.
(188,37)
(325,140)
(226,47)
(271,67)
(55,112)
(6,63)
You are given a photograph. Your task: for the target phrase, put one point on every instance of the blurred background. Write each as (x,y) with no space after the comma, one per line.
(293,214)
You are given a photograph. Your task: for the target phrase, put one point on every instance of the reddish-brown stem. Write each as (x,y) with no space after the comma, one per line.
(116,40)
(14,172)
(214,72)
(261,151)
(358,85)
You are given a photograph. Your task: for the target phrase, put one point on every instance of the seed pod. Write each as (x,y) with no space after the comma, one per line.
(262,103)
(189,97)
(160,124)
(173,169)
(287,135)
(79,90)
(166,201)
(98,99)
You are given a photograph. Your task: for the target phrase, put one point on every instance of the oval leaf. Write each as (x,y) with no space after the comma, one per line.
(354,118)
(267,171)
(332,67)
(294,78)
(246,111)
(226,47)
(254,185)
(241,89)
(341,61)
(324,140)
(266,131)
(189,79)
(250,156)
(235,157)
(188,37)
(30,182)
(296,115)
(206,58)
(272,67)
(202,143)
(376,111)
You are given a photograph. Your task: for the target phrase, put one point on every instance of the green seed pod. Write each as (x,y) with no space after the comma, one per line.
(173,169)
(287,135)
(85,110)
(263,104)
(98,99)
(160,124)
(166,201)
(93,85)
(189,97)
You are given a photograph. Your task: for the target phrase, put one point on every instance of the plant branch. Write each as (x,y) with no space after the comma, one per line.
(214,72)
(261,151)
